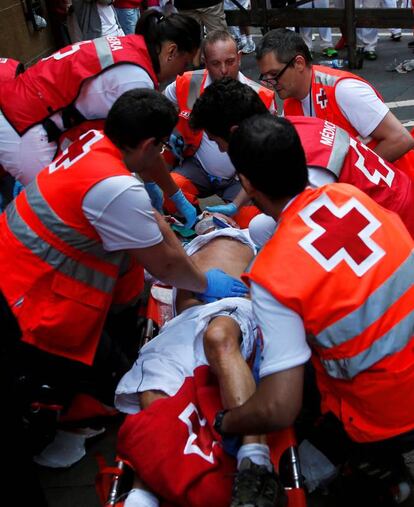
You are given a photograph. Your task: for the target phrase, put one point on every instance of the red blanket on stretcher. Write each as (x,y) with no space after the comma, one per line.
(174,448)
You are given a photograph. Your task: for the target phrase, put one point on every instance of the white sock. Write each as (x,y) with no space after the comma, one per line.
(141,498)
(258,453)
(249,38)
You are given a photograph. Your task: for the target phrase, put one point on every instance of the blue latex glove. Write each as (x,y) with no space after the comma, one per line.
(221,285)
(185,208)
(18,187)
(177,145)
(156,195)
(229,209)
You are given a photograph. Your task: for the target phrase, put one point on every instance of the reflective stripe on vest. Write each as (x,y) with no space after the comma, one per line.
(325,79)
(359,321)
(52,222)
(54,257)
(339,151)
(194,89)
(103,50)
(391,342)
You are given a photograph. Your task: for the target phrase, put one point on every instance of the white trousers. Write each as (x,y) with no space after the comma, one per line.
(23,157)
(325,33)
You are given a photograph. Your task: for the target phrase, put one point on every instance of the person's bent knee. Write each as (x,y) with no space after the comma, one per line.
(221,339)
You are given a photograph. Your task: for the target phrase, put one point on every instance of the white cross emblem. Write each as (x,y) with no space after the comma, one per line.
(321,98)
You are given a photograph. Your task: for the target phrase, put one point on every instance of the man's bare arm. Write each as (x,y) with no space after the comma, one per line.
(393,138)
(275,405)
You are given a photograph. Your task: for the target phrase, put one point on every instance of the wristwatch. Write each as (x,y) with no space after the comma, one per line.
(218,421)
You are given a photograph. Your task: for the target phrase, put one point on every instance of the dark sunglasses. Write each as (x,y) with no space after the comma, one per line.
(274,79)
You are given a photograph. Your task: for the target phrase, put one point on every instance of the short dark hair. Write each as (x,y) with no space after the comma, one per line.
(223,104)
(157,28)
(215,36)
(139,114)
(285,44)
(268,151)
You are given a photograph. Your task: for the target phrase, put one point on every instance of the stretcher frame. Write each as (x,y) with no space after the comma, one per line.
(283,447)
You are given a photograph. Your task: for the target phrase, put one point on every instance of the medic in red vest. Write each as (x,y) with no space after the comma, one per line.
(338,277)
(335,95)
(55,273)
(53,83)
(81,82)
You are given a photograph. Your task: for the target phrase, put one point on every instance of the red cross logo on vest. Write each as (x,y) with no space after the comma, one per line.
(376,169)
(322,98)
(199,440)
(76,151)
(341,234)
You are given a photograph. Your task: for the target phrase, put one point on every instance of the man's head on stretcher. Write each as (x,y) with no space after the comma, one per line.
(217,247)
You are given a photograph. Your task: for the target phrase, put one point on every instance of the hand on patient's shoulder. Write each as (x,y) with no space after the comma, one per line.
(221,285)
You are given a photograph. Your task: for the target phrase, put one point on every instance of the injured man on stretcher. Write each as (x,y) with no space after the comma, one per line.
(197,365)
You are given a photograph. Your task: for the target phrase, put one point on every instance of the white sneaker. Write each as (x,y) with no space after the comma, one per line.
(240,44)
(250,47)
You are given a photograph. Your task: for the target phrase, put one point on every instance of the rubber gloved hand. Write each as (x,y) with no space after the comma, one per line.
(185,207)
(221,285)
(18,187)
(156,195)
(229,209)
(177,145)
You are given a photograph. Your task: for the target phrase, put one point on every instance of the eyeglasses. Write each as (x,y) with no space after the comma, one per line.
(274,79)
(165,146)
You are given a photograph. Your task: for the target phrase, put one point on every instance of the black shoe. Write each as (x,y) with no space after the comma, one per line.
(411,44)
(255,486)
(396,37)
(370,55)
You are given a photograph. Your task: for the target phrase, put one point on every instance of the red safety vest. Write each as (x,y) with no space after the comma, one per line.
(9,69)
(354,291)
(54,272)
(324,82)
(53,84)
(189,87)
(350,161)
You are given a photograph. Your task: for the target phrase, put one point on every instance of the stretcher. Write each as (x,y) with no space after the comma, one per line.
(114,482)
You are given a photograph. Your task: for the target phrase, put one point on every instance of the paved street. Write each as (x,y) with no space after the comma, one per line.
(75,487)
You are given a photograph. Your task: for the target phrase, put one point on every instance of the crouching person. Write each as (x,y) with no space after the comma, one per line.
(194,366)
(67,239)
(344,297)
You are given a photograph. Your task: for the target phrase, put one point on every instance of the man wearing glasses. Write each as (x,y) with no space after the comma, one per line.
(335,95)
